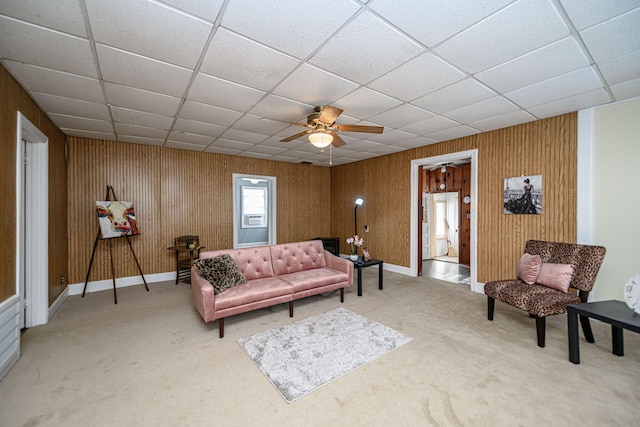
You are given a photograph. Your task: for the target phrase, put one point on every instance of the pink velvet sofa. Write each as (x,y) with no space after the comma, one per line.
(275,274)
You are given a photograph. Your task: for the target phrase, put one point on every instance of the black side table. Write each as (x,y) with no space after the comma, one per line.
(359,265)
(615,313)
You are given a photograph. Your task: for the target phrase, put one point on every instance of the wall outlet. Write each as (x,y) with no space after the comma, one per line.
(366,228)
(62,280)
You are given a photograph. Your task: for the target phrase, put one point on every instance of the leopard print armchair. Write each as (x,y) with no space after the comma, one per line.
(541,301)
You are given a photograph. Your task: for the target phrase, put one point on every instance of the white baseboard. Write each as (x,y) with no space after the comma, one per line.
(121,282)
(58,303)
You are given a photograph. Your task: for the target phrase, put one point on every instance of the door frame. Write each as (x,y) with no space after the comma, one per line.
(271,220)
(416,166)
(32,247)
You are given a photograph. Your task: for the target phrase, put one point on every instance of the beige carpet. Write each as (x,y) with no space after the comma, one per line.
(151,361)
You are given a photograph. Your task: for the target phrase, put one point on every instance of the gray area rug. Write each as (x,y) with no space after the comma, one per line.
(305,355)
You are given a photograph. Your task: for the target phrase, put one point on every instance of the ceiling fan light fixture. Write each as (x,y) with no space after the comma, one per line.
(320,139)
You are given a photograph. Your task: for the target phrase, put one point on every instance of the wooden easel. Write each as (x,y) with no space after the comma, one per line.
(110,192)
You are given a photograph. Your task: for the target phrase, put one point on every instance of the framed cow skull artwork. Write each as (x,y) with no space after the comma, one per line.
(116,219)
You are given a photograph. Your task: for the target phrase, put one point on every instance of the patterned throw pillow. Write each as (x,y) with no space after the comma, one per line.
(221,271)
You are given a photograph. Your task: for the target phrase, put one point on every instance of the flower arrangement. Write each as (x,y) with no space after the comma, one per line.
(355,243)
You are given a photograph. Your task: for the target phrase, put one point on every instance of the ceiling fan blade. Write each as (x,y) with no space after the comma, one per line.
(337,141)
(329,114)
(296,136)
(359,128)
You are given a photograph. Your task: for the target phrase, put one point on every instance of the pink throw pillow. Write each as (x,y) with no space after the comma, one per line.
(556,276)
(528,268)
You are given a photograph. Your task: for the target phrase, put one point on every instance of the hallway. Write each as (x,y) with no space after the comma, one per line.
(447,271)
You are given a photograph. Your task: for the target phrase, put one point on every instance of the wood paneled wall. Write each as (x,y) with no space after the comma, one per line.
(546,147)
(178,192)
(14,99)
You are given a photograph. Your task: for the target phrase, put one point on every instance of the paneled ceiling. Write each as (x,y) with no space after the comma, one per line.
(221,76)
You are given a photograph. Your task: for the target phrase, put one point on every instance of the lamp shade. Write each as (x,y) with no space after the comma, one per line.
(320,139)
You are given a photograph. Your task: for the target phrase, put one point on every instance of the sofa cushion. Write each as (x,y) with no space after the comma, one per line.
(535,299)
(528,268)
(253,291)
(316,278)
(254,262)
(556,276)
(294,257)
(221,271)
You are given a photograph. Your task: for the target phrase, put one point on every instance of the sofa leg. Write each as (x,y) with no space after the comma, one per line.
(586,328)
(491,304)
(341,294)
(221,326)
(540,330)
(290,308)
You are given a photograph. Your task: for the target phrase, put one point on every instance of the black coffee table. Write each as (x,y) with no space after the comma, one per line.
(359,265)
(615,313)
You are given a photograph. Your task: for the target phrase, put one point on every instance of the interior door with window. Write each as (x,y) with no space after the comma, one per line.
(254,210)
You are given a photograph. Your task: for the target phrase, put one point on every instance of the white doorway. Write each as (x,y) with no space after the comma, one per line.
(32,223)
(254,210)
(416,168)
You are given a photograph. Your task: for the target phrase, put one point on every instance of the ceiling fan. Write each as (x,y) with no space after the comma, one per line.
(323,128)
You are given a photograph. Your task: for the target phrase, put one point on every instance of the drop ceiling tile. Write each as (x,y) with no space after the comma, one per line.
(585,13)
(137,71)
(190,138)
(70,106)
(256,124)
(365,49)
(142,100)
(83,133)
(44,80)
(311,85)
(558,58)
(255,155)
(430,22)
(415,142)
(266,149)
(278,108)
(364,103)
(506,120)
(231,144)
(208,114)
(573,103)
(574,83)
(521,27)
(294,27)
(243,136)
(237,59)
(615,37)
(426,73)
(222,93)
(276,142)
(140,131)
(621,69)
(124,115)
(184,146)
(388,137)
(455,96)
(386,149)
(141,140)
(149,29)
(488,108)
(200,128)
(73,122)
(400,116)
(453,133)
(206,9)
(626,90)
(49,49)
(61,15)
(431,125)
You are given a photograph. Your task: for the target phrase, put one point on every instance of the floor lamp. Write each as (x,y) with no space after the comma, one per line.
(358,202)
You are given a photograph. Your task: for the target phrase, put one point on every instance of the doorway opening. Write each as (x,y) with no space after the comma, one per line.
(470,212)
(32,223)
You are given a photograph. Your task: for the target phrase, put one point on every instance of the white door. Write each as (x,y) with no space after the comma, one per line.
(254,216)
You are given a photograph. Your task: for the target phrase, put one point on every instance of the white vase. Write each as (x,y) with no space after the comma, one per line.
(353,257)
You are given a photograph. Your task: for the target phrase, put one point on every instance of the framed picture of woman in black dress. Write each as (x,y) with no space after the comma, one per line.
(523,195)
